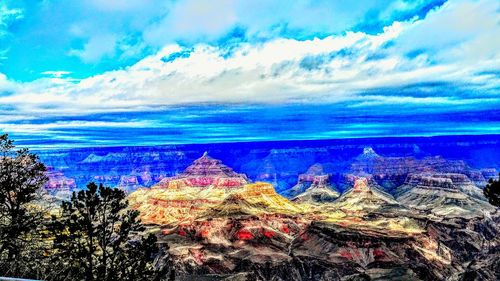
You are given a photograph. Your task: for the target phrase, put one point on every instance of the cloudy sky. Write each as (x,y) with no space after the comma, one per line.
(141,72)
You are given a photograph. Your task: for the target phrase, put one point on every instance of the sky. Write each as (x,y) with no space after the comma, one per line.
(147,72)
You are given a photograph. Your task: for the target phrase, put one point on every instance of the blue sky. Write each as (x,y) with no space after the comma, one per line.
(81,73)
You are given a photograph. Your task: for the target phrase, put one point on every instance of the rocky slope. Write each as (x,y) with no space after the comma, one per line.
(317,193)
(314,186)
(218,224)
(372,237)
(444,195)
(364,197)
(252,233)
(205,185)
(449,180)
(391,172)
(205,172)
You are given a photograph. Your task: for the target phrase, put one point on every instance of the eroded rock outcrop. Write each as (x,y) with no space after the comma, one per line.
(203,186)
(314,186)
(448,195)
(205,172)
(391,172)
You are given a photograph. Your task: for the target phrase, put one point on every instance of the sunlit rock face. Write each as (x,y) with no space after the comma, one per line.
(251,227)
(331,252)
(252,231)
(205,185)
(216,221)
(363,197)
(378,238)
(205,172)
(447,195)
(219,226)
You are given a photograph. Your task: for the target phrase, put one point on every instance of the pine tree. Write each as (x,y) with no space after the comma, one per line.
(98,238)
(492,191)
(21,175)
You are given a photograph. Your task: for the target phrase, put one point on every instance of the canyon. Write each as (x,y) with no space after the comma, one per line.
(347,211)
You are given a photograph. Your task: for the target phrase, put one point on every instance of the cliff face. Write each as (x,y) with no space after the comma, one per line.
(449,195)
(443,180)
(205,185)
(363,235)
(205,172)
(59,187)
(314,186)
(443,250)
(279,163)
(366,198)
(318,192)
(392,172)
(251,232)
(409,217)
(58,181)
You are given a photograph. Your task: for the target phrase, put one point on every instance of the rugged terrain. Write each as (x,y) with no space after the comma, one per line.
(220,225)
(280,163)
(379,209)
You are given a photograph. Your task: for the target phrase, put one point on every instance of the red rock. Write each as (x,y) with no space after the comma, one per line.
(204,172)
(268,233)
(377,253)
(244,235)
(345,254)
(285,229)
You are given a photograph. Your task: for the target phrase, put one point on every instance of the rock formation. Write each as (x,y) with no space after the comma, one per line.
(218,224)
(455,181)
(58,185)
(205,172)
(314,186)
(58,181)
(366,198)
(319,192)
(449,195)
(203,186)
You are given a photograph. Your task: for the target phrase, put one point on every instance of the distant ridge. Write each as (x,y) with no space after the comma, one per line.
(318,142)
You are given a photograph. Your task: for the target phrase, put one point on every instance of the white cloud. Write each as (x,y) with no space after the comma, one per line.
(467,29)
(333,69)
(56,74)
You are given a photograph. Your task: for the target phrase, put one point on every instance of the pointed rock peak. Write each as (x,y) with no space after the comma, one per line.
(205,157)
(361,185)
(369,151)
(203,172)
(208,166)
(368,154)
